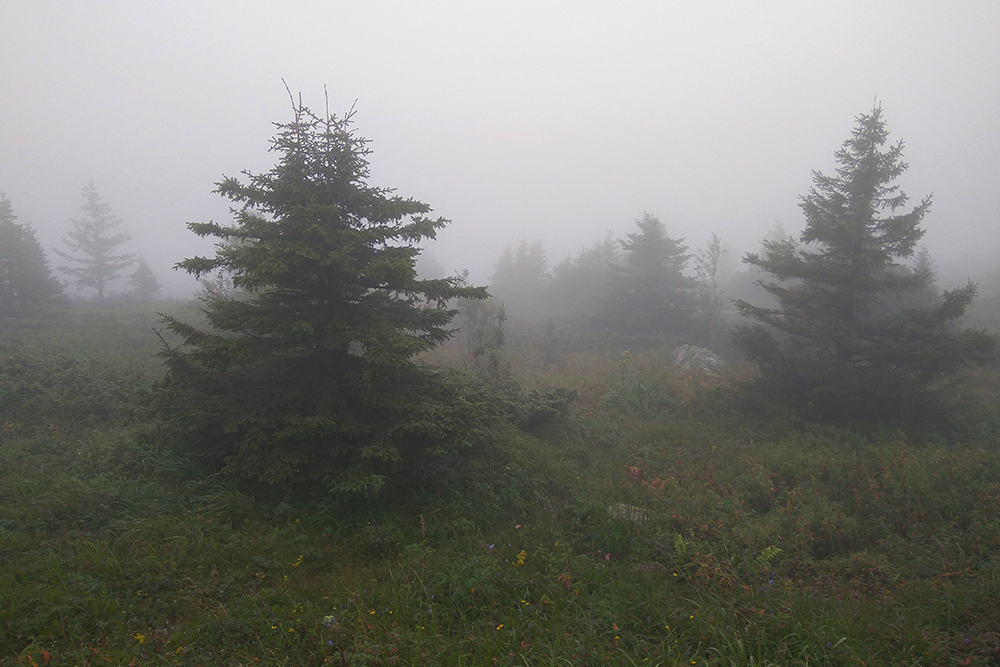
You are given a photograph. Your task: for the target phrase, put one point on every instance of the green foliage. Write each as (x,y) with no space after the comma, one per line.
(690,537)
(531,410)
(92,242)
(38,392)
(843,348)
(307,370)
(25,277)
(649,291)
(637,395)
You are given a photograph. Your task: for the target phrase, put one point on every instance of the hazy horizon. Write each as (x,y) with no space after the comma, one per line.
(553,121)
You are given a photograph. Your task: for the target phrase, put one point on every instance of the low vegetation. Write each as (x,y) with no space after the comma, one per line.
(639,515)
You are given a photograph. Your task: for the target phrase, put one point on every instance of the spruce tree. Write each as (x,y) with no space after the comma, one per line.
(308,368)
(93,243)
(24,271)
(144,283)
(648,291)
(830,341)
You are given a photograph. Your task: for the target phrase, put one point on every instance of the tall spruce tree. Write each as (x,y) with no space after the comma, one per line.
(24,271)
(93,244)
(831,342)
(308,369)
(648,291)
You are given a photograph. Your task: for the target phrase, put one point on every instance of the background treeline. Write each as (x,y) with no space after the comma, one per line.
(93,255)
(649,286)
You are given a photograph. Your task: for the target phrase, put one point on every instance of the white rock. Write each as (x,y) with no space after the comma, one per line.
(694,358)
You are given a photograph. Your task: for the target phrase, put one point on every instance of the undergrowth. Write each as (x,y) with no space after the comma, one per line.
(671,530)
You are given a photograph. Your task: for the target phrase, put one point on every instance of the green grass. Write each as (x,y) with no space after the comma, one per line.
(750,542)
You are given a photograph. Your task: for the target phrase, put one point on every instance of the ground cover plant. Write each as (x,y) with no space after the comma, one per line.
(692,533)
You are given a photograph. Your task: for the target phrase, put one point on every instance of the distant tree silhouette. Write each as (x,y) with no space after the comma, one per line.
(580,283)
(25,276)
(707,263)
(648,291)
(145,285)
(521,278)
(92,244)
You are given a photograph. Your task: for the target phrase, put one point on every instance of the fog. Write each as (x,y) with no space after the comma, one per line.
(556,121)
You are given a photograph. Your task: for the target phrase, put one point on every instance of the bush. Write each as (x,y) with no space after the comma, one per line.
(61,391)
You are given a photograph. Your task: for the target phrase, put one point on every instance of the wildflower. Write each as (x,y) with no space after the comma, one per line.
(298,561)
(500,627)
(140,638)
(520,558)
(291,629)
(517,527)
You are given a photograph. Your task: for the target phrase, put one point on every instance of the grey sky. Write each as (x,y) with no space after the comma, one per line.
(550,120)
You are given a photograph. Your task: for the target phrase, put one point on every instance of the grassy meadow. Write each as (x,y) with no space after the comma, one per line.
(665,519)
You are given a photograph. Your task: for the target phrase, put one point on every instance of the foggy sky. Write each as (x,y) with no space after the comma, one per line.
(555,121)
